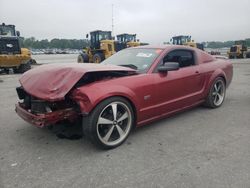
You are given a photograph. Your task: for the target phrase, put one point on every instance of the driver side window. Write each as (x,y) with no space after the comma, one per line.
(185,58)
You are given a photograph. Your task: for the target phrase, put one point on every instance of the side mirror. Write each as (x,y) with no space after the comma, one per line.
(87,36)
(18,33)
(168,66)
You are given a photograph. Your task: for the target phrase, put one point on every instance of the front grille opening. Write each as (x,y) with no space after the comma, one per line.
(38,106)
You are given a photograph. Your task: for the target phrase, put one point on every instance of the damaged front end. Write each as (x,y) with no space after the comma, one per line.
(49,93)
(43,113)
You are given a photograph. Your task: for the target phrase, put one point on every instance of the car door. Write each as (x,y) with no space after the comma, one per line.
(180,88)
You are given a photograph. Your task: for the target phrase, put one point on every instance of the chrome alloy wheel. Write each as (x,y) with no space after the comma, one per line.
(114,123)
(218,93)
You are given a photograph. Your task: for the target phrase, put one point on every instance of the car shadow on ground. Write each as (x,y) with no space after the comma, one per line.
(67,133)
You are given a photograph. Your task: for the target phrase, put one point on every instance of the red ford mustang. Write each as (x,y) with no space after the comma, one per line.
(132,88)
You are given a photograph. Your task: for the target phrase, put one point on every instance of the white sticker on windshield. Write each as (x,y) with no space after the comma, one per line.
(144,54)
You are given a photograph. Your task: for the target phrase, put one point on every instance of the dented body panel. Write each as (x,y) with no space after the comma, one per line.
(53,82)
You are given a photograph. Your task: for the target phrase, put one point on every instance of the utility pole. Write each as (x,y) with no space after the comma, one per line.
(112,19)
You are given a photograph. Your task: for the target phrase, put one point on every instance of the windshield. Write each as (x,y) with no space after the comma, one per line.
(7,31)
(135,58)
(104,36)
(126,38)
(130,38)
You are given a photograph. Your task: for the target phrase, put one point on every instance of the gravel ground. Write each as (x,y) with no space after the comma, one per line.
(198,148)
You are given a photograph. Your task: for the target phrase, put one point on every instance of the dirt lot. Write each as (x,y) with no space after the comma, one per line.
(199,148)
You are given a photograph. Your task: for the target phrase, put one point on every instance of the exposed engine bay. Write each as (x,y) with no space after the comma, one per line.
(98,76)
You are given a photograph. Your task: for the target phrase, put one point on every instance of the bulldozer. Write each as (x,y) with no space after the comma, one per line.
(238,50)
(130,40)
(12,56)
(187,41)
(102,46)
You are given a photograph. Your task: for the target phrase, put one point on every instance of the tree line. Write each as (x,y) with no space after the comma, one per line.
(82,43)
(54,43)
(226,44)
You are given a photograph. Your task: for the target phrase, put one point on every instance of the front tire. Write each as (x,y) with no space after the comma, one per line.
(110,123)
(83,58)
(216,93)
(98,58)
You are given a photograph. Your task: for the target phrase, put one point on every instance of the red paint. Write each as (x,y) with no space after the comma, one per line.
(52,82)
(42,120)
(168,93)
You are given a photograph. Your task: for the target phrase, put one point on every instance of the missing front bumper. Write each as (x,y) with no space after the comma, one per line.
(46,119)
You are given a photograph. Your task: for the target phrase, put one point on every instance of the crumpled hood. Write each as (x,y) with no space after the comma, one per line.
(52,82)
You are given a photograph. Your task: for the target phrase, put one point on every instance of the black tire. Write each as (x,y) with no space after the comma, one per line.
(98,58)
(99,123)
(22,68)
(220,94)
(33,62)
(83,58)
(7,71)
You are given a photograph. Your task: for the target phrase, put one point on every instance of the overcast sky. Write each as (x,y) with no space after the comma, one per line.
(153,21)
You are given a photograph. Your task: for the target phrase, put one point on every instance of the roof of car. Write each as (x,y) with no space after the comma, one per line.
(166,47)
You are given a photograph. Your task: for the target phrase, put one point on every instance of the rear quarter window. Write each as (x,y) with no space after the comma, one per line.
(205,57)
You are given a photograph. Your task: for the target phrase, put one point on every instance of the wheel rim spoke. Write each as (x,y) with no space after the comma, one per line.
(215,87)
(114,109)
(215,99)
(220,97)
(214,93)
(120,131)
(102,120)
(219,87)
(107,136)
(124,116)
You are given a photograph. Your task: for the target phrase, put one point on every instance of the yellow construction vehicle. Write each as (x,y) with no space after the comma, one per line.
(187,41)
(12,56)
(101,47)
(130,40)
(238,50)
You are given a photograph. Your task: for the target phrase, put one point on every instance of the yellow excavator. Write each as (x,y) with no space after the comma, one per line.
(102,46)
(187,41)
(12,56)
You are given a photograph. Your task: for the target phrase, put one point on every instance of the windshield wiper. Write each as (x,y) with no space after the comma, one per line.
(130,66)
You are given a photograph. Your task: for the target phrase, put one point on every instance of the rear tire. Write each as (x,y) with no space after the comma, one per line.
(83,58)
(216,93)
(98,58)
(110,123)
(22,68)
